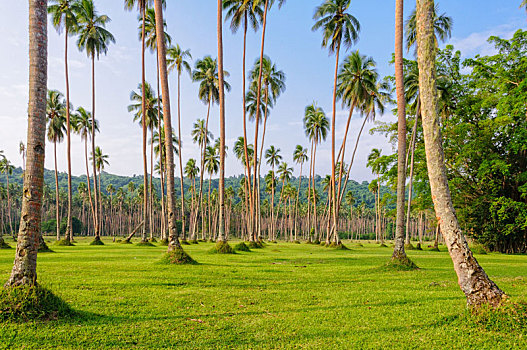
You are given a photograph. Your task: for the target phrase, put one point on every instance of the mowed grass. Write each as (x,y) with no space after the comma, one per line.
(287,296)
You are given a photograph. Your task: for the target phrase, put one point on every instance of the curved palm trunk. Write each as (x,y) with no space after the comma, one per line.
(151,183)
(88,181)
(474,282)
(143,125)
(25,265)
(333,128)
(309,193)
(57,215)
(69,231)
(410,184)
(201,175)
(261,157)
(398,250)
(259,95)
(173,242)
(9,202)
(161,159)
(96,212)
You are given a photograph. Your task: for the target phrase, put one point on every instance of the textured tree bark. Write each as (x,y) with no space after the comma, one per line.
(69,231)
(95,191)
(173,240)
(144,127)
(221,218)
(472,279)
(398,250)
(57,199)
(25,265)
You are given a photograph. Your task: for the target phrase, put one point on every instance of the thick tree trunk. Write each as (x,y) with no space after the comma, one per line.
(25,265)
(472,279)
(398,250)
(173,241)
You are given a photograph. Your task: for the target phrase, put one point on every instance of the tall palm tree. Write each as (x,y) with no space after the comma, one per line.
(248,12)
(398,250)
(63,16)
(212,165)
(284,174)
(174,246)
(299,157)
(142,5)
(267,4)
(339,29)
(474,282)
(101,160)
(316,126)
(442,28)
(94,39)
(177,59)
(83,124)
(377,167)
(22,150)
(7,169)
(191,171)
(273,158)
(55,110)
(24,271)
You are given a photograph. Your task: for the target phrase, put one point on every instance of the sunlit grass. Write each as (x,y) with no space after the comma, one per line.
(282,296)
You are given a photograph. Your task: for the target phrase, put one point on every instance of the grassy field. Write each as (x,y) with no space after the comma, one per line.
(290,296)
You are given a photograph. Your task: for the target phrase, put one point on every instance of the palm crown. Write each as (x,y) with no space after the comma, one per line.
(93,37)
(338,26)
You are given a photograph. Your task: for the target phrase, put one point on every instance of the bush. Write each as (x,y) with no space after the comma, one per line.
(478,249)
(31,303)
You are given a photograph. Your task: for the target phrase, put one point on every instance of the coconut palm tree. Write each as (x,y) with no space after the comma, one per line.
(191,171)
(178,60)
(442,28)
(316,126)
(339,29)
(7,169)
(100,160)
(94,40)
(55,111)
(22,151)
(284,174)
(299,157)
(273,158)
(63,16)
(478,287)
(212,164)
(24,272)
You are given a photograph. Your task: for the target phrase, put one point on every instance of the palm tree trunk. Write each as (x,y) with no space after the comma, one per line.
(296,202)
(221,197)
(144,127)
(9,201)
(96,212)
(69,233)
(412,150)
(261,157)
(314,190)
(474,282)
(57,216)
(151,182)
(25,265)
(88,181)
(398,250)
(180,154)
(173,242)
(333,128)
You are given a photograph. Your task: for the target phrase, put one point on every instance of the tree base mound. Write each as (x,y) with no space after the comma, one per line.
(316,241)
(508,316)
(144,244)
(409,246)
(222,247)
(296,242)
(178,257)
(358,245)
(338,246)
(3,244)
(125,241)
(255,245)
(195,241)
(96,241)
(164,242)
(21,304)
(241,247)
(382,245)
(434,249)
(184,242)
(400,264)
(152,240)
(64,243)
(418,247)
(44,248)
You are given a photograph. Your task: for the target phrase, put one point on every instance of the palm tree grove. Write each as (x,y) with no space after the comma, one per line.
(263,174)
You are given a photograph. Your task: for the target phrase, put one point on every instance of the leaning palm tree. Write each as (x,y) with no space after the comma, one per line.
(24,272)
(316,126)
(340,29)
(177,59)
(299,157)
(63,16)
(55,110)
(479,289)
(94,39)
(83,124)
(176,254)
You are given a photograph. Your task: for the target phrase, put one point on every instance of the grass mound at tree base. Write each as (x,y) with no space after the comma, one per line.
(222,247)
(145,244)
(97,241)
(418,247)
(178,257)
(64,243)
(152,240)
(509,317)
(44,248)
(195,241)
(23,303)
(184,242)
(241,247)
(400,264)
(338,246)
(255,245)
(125,241)
(409,246)
(164,242)
(3,244)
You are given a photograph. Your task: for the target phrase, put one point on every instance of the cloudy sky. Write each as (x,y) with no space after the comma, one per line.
(192,23)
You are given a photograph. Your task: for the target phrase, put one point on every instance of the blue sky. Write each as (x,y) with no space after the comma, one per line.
(290,44)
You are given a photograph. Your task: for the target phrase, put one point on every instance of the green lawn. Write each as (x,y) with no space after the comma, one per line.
(283,296)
